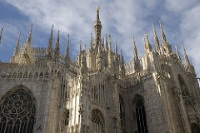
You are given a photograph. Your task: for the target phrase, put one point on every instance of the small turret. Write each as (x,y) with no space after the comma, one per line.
(103,43)
(80,49)
(28,41)
(177,53)
(136,58)
(49,49)
(67,48)
(166,46)
(122,66)
(91,41)
(82,60)
(106,42)
(164,40)
(79,55)
(109,43)
(116,49)
(188,66)
(1,33)
(57,47)
(147,45)
(17,45)
(110,61)
(156,41)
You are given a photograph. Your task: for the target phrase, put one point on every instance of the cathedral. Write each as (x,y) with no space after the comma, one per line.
(43,91)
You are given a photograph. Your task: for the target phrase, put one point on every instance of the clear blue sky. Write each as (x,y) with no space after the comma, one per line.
(122,20)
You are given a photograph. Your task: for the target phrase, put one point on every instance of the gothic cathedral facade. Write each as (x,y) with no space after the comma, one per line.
(42,91)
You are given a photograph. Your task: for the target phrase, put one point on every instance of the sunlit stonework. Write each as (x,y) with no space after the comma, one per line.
(42,91)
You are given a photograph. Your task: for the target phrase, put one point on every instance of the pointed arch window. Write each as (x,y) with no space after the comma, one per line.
(122,114)
(17,113)
(140,115)
(97,121)
(195,128)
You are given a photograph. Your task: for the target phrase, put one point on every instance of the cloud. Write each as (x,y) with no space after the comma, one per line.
(190,29)
(120,19)
(180,5)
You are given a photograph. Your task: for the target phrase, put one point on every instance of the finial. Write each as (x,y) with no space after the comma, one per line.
(103,42)
(31,29)
(51,35)
(121,53)
(97,16)
(17,45)
(147,45)
(30,34)
(68,40)
(67,47)
(135,51)
(160,24)
(58,36)
(1,33)
(52,28)
(57,40)
(156,40)
(57,47)
(162,33)
(144,40)
(187,62)
(109,42)
(51,38)
(116,48)
(147,38)
(177,53)
(122,57)
(80,45)
(133,39)
(153,28)
(98,8)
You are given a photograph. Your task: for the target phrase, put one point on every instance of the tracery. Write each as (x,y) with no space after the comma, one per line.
(17,113)
(97,121)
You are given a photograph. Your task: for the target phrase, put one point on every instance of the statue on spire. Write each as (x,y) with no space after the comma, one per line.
(98,8)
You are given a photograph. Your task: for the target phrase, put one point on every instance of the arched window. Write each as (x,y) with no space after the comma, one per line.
(97,121)
(195,128)
(122,114)
(65,121)
(17,113)
(140,115)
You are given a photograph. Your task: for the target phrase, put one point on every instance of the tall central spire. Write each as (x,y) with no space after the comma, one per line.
(97,29)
